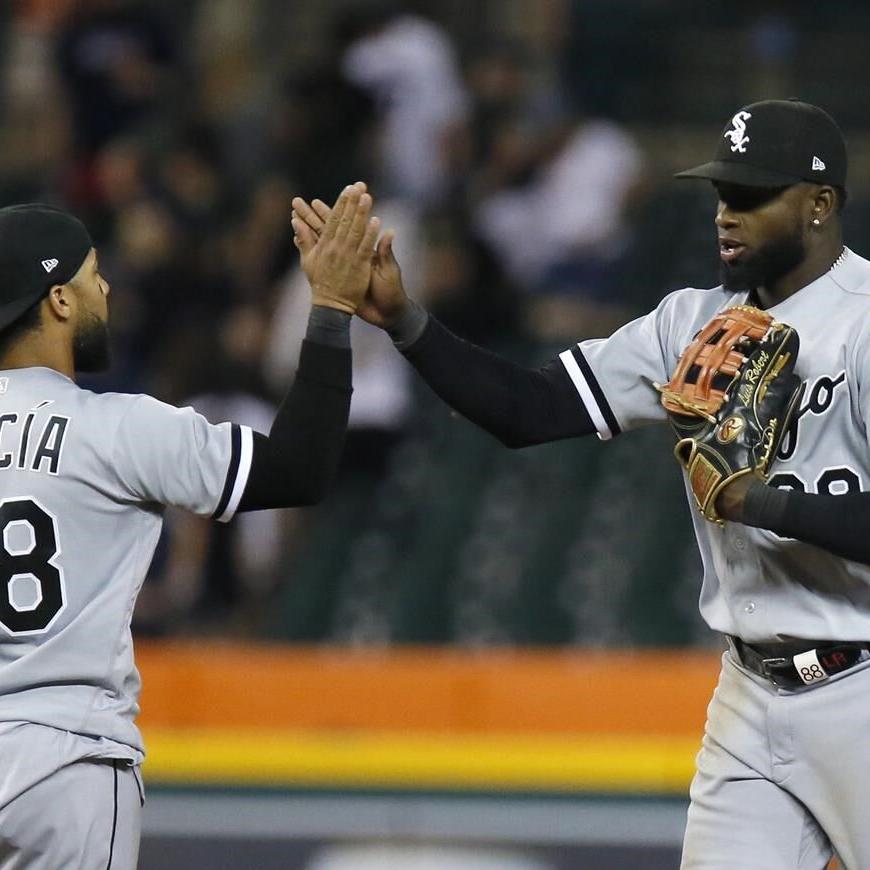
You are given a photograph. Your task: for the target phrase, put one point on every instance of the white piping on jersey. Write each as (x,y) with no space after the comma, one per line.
(586,395)
(246,453)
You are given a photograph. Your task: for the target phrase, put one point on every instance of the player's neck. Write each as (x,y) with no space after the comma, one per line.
(819,260)
(35,349)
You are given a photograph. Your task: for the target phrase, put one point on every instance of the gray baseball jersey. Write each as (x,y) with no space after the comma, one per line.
(83,481)
(757,585)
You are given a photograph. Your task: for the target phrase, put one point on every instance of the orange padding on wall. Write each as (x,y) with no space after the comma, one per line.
(193,685)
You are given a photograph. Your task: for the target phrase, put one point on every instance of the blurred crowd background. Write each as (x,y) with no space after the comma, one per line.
(523,150)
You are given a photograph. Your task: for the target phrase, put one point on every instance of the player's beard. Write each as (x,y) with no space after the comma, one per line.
(766,265)
(91,344)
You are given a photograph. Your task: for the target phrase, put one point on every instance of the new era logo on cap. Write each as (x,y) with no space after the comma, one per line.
(818,165)
(48,265)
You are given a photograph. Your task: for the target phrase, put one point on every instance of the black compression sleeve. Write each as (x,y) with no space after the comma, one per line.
(518,406)
(295,465)
(837,523)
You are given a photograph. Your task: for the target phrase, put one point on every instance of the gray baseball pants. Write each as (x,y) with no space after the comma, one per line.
(783,777)
(86,815)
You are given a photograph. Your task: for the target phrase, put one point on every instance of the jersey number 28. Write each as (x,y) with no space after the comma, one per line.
(32,591)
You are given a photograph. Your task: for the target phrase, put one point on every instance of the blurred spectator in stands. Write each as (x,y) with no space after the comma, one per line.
(155,270)
(463,284)
(558,218)
(408,65)
(320,112)
(512,99)
(143,245)
(41,14)
(120,171)
(116,59)
(118,176)
(259,250)
(237,79)
(34,119)
(190,176)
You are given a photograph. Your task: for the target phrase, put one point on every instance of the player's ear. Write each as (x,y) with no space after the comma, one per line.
(60,301)
(824,204)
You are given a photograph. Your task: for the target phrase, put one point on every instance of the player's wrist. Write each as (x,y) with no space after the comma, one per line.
(408,324)
(330,326)
(730,502)
(325,300)
(764,506)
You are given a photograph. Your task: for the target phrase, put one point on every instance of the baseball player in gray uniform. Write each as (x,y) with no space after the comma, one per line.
(782,781)
(84,478)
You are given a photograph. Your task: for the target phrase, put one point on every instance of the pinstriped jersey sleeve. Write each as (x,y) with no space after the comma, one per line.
(174,456)
(614,376)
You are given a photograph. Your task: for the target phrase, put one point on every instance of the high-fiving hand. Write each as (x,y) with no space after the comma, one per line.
(338,260)
(385,296)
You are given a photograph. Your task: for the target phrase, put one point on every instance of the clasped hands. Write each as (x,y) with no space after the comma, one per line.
(348,267)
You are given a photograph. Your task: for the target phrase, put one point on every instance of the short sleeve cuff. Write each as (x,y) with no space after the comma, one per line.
(590,393)
(241,454)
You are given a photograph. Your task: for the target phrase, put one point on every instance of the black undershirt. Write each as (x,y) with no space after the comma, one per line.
(295,465)
(836,523)
(519,406)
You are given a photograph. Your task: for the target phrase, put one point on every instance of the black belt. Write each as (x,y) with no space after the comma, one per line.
(793,666)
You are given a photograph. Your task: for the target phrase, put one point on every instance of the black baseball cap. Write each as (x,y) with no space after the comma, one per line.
(777,143)
(40,246)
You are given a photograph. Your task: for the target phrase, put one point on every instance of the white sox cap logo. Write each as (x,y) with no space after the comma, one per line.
(48,265)
(737,134)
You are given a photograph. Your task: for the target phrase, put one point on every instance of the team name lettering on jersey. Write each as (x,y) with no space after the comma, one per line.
(819,399)
(37,450)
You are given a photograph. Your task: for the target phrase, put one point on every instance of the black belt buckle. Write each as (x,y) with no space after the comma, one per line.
(787,677)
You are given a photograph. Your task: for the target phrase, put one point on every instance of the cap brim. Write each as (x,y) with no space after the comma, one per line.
(11,311)
(739,173)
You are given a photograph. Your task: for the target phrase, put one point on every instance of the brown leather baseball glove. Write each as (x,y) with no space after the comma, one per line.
(731,399)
